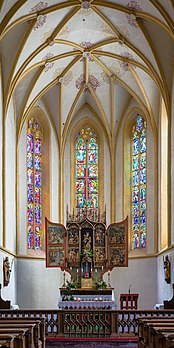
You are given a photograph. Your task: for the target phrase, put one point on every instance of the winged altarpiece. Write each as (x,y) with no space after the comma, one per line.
(87,248)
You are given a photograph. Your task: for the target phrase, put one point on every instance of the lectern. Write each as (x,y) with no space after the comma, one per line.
(129,301)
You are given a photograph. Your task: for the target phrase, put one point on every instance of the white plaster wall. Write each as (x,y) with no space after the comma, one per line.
(119,178)
(107,181)
(151,192)
(67,175)
(141,275)
(172,166)
(22,193)
(1,111)
(9,292)
(159,179)
(37,285)
(10,177)
(164,290)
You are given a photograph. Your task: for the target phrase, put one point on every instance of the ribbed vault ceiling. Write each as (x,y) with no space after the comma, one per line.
(76,54)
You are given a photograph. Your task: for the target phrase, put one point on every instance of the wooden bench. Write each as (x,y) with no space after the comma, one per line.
(157,334)
(39,329)
(150,330)
(29,335)
(165,339)
(144,322)
(7,342)
(19,335)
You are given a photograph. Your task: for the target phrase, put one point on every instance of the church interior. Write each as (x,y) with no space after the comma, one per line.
(86,150)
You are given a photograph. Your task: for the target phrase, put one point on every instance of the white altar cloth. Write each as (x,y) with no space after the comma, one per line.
(87,304)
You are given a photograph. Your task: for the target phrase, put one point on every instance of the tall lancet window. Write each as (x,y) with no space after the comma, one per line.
(87,173)
(34,184)
(139,184)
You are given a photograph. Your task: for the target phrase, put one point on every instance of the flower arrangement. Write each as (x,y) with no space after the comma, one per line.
(101,284)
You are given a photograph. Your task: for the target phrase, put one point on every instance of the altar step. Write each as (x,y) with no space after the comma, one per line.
(122,342)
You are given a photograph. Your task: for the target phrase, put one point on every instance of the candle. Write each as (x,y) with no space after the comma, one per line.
(77,270)
(102,267)
(108,272)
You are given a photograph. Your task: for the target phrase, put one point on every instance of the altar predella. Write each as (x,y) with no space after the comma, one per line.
(86,247)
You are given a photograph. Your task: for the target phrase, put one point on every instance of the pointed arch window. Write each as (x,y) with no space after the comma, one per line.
(139,155)
(86,173)
(34,184)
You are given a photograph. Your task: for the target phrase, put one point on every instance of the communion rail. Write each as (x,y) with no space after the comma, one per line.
(88,322)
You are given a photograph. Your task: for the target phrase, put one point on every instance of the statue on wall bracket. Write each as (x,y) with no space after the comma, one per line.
(166,263)
(6,271)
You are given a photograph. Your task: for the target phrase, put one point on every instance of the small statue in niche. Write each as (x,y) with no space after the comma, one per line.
(166,263)
(7,271)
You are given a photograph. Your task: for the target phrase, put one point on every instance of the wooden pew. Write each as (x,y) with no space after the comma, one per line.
(143,322)
(39,329)
(146,331)
(156,335)
(7,342)
(25,323)
(29,335)
(18,334)
(165,340)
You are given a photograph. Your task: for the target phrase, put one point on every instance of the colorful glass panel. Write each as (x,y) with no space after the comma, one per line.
(34,190)
(139,176)
(86,172)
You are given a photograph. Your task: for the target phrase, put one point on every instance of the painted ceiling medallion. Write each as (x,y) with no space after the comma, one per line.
(46,36)
(64,32)
(48,65)
(105,78)
(116,71)
(41,19)
(57,72)
(92,80)
(124,64)
(86,5)
(68,78)
(134,6)
(61,79)
(86,54)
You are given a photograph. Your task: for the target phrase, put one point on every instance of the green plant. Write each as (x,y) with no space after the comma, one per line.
(100,285)
(72,285)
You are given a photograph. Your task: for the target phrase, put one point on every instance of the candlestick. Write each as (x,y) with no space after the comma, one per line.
(109,285)
(64,285)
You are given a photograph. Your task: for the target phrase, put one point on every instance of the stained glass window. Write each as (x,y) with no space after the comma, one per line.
(139,184)
(86,173)
(34,185)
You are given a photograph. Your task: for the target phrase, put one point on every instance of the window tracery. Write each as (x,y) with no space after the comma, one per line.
(86,173)
(34,184)
(139,212)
